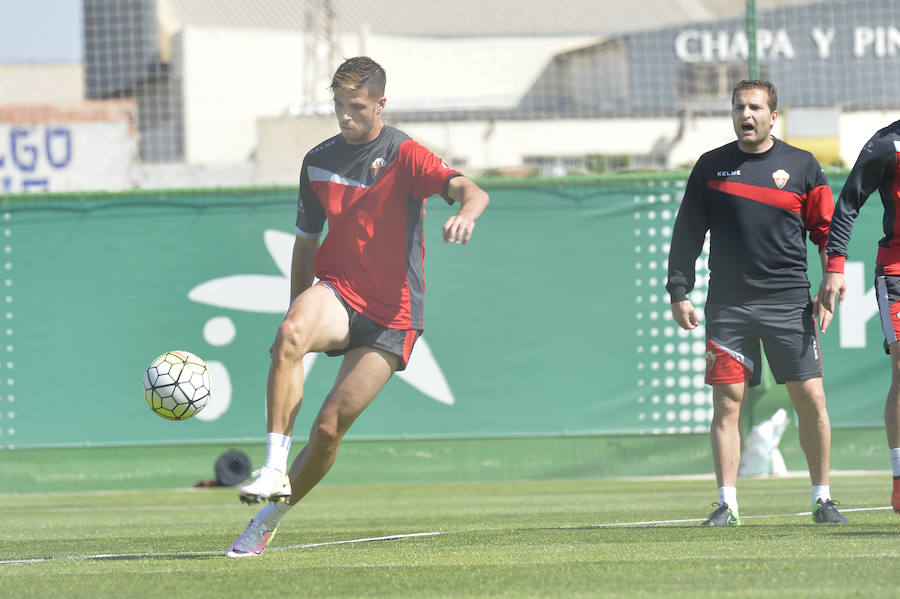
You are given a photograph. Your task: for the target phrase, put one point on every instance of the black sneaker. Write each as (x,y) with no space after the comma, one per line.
(827,512)
(723,516)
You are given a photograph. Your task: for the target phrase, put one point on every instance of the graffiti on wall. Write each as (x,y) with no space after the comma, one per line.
(30,155)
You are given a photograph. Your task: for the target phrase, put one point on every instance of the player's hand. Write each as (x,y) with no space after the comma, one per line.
(458,229)
(833,284)
(685,315)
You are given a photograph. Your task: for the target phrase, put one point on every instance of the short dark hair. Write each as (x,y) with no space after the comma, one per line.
(762,84)
(360,72)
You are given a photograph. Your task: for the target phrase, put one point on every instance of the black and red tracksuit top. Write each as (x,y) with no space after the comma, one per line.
(757,209)
(877,167)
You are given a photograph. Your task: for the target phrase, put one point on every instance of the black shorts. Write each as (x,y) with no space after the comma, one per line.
(887,294)
(365,332)
(787,333)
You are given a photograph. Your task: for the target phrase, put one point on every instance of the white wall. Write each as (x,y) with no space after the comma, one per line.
(230,79)
(67,156)
(463,73)
(41,83)
(493,144)
(499,144)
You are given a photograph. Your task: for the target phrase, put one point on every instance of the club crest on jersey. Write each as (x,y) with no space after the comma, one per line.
(377,165)
(781,177)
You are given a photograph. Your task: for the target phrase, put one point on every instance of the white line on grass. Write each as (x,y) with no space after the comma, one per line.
(366,540)
(114,556)
(686,520)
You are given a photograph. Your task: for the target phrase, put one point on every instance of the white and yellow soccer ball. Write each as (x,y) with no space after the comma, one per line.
(176,385)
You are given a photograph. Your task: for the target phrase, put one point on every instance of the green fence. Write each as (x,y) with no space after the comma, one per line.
(553,320)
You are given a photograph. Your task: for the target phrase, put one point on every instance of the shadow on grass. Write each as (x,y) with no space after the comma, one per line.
(661,526)
(867,533)
(153,556)
(112,558)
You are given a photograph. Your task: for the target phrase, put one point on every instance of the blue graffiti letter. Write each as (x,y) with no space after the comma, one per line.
(64,144)
(42,184)
(29,150)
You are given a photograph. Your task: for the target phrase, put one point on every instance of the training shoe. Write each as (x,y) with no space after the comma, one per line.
(826,512)
(723,516)
(895,496)
(270,485)
(252,541)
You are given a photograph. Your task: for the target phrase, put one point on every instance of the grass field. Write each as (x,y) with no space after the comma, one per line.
(549,538)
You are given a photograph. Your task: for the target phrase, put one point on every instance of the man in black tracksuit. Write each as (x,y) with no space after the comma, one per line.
(877,167)
(757,197)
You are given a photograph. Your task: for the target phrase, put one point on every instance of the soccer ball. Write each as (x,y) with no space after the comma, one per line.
(176,385)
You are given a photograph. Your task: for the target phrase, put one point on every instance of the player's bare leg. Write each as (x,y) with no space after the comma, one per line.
(814,427)
(808,398)
(363,374)
(725,431)
(316,321)
(892,422)
(725,439)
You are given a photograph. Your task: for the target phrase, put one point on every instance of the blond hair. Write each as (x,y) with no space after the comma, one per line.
(360,72)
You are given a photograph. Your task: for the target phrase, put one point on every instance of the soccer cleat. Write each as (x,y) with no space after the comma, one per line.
(252,541)
(825,512)
(895,496)
(270,485)
(723,516)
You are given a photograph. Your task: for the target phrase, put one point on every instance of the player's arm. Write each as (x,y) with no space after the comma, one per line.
(302,264)
(832,285)
(819,210)
(877,158)
(309,226)
(685,315)
(688,236)
(472,202)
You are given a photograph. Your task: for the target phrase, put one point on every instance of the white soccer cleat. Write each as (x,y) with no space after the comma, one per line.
(252,541)
(269,485)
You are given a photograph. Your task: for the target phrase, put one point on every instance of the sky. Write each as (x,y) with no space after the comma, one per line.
(40,31)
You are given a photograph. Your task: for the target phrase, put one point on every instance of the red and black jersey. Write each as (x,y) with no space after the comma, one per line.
(373,197)
(757,209)
(878,168)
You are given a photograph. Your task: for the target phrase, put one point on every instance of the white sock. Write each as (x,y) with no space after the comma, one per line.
(895,460)
(729,495)
(822,492)
(277,448)
(272,513)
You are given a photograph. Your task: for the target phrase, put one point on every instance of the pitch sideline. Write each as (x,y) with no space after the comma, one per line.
(115,556)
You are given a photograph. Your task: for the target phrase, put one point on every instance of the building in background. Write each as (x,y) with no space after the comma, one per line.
(52,139)
(233,92)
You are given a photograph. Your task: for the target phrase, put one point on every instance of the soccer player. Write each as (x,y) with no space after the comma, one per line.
(757,197)
(875,168)
(369,183)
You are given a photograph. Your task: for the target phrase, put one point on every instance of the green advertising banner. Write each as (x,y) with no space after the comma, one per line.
(553,320)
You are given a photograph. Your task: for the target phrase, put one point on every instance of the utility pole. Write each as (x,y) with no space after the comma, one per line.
(321,52)
(752,58)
